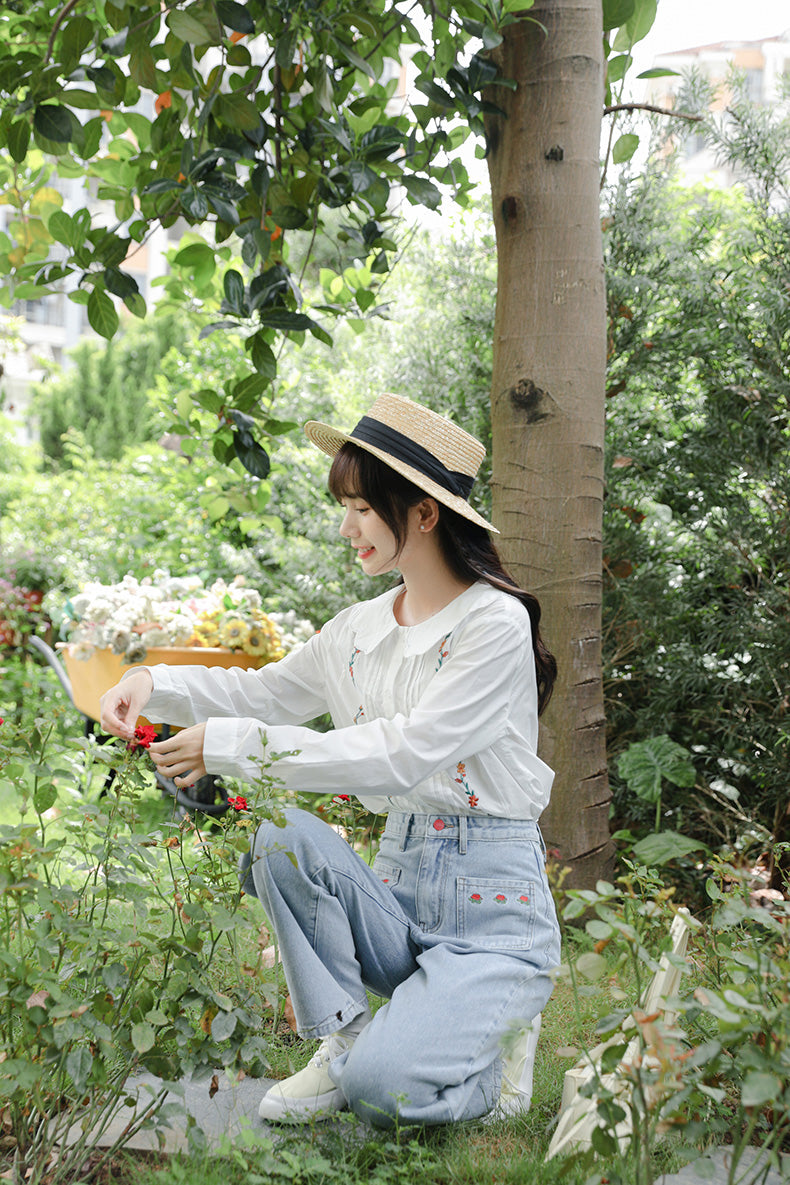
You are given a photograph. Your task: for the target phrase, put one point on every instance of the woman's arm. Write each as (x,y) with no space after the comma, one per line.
(464,709)
(286,692)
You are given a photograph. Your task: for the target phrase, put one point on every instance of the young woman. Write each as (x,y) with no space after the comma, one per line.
(434,688)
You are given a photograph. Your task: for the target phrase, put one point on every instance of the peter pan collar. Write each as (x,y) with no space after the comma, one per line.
(373,621)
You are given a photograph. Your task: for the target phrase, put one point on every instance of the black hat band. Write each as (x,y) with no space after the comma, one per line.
(402,448)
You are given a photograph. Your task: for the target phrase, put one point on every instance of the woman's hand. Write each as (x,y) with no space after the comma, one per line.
(180,757)
(123,703)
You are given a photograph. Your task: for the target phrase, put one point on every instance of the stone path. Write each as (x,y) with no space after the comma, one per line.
(233,1111)
(715,1170)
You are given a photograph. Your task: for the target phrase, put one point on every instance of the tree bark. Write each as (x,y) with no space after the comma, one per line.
(547,397)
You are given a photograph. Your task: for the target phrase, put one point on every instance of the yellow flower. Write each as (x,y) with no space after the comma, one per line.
(262,641)
(234,633)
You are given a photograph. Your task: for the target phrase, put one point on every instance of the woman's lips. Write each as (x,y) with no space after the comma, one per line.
(364,552)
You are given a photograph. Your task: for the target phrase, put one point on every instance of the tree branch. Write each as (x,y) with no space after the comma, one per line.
(651,107)
(59,19)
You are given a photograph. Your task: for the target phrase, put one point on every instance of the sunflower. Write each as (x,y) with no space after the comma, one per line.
(234,633)
(263,639)
(205,633)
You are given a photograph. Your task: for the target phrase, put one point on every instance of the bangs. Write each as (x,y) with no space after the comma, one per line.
(345,477)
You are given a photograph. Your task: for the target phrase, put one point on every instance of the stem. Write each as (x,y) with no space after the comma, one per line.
(651,107)
(59,19)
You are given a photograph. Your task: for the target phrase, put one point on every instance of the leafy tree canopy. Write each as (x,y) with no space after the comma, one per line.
(249,122)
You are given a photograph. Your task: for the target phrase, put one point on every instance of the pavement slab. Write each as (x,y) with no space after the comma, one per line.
(222,1116)
(715,1168)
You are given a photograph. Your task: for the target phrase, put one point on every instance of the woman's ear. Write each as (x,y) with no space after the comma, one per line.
(427,514)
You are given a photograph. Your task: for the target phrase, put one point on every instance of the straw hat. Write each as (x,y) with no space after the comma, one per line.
(427,449)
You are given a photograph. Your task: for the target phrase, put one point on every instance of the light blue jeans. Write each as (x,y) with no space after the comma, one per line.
(454,924)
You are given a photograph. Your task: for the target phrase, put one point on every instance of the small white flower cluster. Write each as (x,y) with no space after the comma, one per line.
(295,631)
(164,610)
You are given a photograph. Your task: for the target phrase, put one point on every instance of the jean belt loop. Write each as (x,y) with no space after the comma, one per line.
(404,835)
(462,834)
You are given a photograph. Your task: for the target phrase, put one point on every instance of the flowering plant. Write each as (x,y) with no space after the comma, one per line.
(164,610)
(19,612)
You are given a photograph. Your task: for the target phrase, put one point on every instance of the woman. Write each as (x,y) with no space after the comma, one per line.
(434,689)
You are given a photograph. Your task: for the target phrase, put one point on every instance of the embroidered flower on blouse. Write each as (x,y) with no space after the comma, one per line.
(351,662)
(475,898)
(360,714)
(444,652)
(500,898)
(460,778)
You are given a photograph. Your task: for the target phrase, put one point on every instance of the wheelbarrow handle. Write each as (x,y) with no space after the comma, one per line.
(51,659)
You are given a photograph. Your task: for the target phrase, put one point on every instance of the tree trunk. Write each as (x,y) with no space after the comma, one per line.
(547,396)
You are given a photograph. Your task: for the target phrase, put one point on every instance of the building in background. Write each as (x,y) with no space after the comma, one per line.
(760,64)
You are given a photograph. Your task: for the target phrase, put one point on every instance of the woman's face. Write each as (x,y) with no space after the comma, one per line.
(371,538)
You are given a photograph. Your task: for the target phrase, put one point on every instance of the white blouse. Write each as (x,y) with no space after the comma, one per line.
(436,717)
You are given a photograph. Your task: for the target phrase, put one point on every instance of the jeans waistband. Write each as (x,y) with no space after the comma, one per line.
(402,825)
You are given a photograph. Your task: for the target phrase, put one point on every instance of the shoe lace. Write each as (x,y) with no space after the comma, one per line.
(330,1048)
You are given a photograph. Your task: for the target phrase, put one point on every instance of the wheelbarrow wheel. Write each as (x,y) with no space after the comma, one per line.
(208,795)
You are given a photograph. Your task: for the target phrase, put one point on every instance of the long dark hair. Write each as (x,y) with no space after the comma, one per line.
(466,547)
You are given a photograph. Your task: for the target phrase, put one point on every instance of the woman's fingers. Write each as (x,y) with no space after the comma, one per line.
(181,756)
(122,704)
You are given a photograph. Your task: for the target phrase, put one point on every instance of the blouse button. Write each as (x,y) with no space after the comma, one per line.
(438,825)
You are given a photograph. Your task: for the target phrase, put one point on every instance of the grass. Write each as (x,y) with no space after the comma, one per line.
(505,1152)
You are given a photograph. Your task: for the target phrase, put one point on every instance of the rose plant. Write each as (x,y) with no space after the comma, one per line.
(123,948)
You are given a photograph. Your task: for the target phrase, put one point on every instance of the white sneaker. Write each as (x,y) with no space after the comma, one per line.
(518,1069)
(310,1094)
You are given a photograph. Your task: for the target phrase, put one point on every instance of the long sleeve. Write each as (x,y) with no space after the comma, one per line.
(464,709)
(286,692)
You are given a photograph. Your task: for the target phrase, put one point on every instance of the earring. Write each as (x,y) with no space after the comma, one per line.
(422,528)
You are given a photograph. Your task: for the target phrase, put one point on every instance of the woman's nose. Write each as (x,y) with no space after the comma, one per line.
(346,527)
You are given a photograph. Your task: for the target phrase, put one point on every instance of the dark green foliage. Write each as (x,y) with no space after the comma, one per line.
(698,479)
(104,395)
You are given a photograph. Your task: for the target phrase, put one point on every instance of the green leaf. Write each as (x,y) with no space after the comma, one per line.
(604,1142)
(101,313)
(760,1088)
(637,26)
(142,67)
(221,206)
(263,358)
(239,111)
(285,320)
(656,850)
(18,139)
(79,1064)
(143,1037)
(53,122)
(616,67)
(289,217)
(253,456)
(644,764)
(44,797)
(235,16)
(592,966)
(659,72)
(189,28)
(421,191)
(251,386)
(625,148)
(616,13)
(233,284)
(223,1025)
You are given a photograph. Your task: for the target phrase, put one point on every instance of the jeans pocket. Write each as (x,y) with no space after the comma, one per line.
(388,874)
(496,914)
